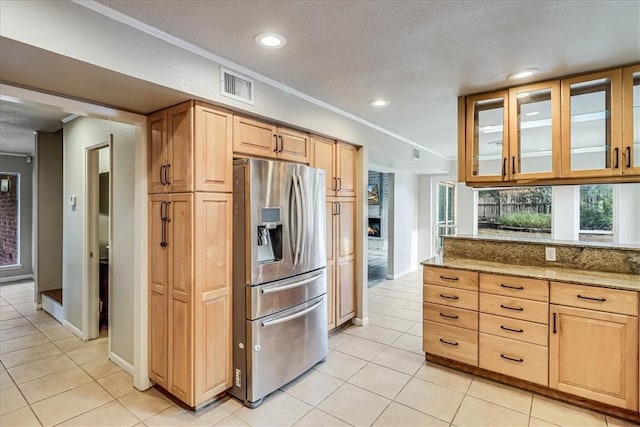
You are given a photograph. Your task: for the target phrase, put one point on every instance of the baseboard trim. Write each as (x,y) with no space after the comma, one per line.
(126,366)
(358,321)
(399,275)
(77,332)
(53,308)
(16,278)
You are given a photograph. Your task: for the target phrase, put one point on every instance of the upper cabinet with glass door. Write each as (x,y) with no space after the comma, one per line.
(631,120)
(534,131)
(487,137)
(591,125)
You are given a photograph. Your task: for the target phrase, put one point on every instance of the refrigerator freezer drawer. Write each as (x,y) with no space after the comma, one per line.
(284,346)
(273,297)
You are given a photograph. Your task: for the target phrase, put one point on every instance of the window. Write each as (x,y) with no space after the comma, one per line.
(596,213)
(515,212)
(9,219)
(446,220)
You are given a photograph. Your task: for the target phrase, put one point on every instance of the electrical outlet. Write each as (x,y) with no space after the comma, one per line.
(550,254)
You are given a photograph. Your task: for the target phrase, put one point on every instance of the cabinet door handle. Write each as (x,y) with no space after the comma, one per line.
(275,149)
(513,165)
(511,308)
(335,183)
(281,143)
(592,299)
(628,157)
(335,208)
(162,174)
(504,167)
(166,174)
(617,159)
(339,208)
(519,331)
(515,288)
(163,236)
(453,343)
(555,330)
(453,279)
(451,297)
(449,316)
(339,184)
(513,359)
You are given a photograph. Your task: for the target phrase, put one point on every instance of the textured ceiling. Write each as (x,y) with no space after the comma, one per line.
(419,54)
(18,122)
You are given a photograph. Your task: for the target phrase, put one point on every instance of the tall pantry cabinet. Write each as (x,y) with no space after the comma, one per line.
(339,162)
(190,281)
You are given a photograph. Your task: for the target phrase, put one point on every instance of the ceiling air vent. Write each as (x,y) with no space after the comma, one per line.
(236,86)
(416,154)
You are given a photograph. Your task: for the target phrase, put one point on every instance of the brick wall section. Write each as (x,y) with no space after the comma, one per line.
(380,211)
(9,222)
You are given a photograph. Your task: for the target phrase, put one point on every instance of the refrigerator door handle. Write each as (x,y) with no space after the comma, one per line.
(275,289)
(303,216)
(298,201)
(292,316)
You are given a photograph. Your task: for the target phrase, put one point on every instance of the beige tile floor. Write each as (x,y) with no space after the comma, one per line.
(374,375)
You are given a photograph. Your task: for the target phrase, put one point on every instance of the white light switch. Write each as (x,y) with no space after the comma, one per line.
(550,254)
(72,201)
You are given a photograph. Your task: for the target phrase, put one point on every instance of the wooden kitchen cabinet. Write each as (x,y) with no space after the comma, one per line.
(338,159)
(514,135)
(256,138)
(594,355)
(450,313)
(189,149)
(631,120)
(574,130)
(592,125)
(190,294)
(341,257)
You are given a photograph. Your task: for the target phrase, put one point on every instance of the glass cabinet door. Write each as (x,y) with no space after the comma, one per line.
(591,125)
(486,137)
(631,120)
(534,131)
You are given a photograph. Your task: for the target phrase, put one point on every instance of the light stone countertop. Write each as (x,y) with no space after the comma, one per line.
(582,277)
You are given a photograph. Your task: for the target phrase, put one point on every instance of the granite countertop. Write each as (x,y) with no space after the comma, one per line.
(548,242)
(582,277)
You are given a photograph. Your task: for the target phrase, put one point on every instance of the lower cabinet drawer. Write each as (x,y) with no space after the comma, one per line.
(450,316)
(517,308)
(451,297)
(526,361)
(521,330)
(451,342)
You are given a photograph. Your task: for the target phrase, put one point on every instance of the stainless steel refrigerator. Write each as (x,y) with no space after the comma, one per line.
(279,275)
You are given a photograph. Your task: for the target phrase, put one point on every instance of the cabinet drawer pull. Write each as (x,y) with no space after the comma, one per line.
(592,299)
(511,308)
(453,279)
(519,331)
(449,316)
(513,359)
(515,288)
(452,297)
(453,343)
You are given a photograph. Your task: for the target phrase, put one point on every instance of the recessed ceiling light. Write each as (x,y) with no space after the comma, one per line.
(379,102)
(523,74)
(533,113)
(271,40)
(522,95)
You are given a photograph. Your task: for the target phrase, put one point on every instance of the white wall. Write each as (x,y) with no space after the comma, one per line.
(565,212)
(78,135)
(49,206)
(18,164)
(403,215)
(626,215)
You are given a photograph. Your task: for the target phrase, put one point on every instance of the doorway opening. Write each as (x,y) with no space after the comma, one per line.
(378,227)
(99,237)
